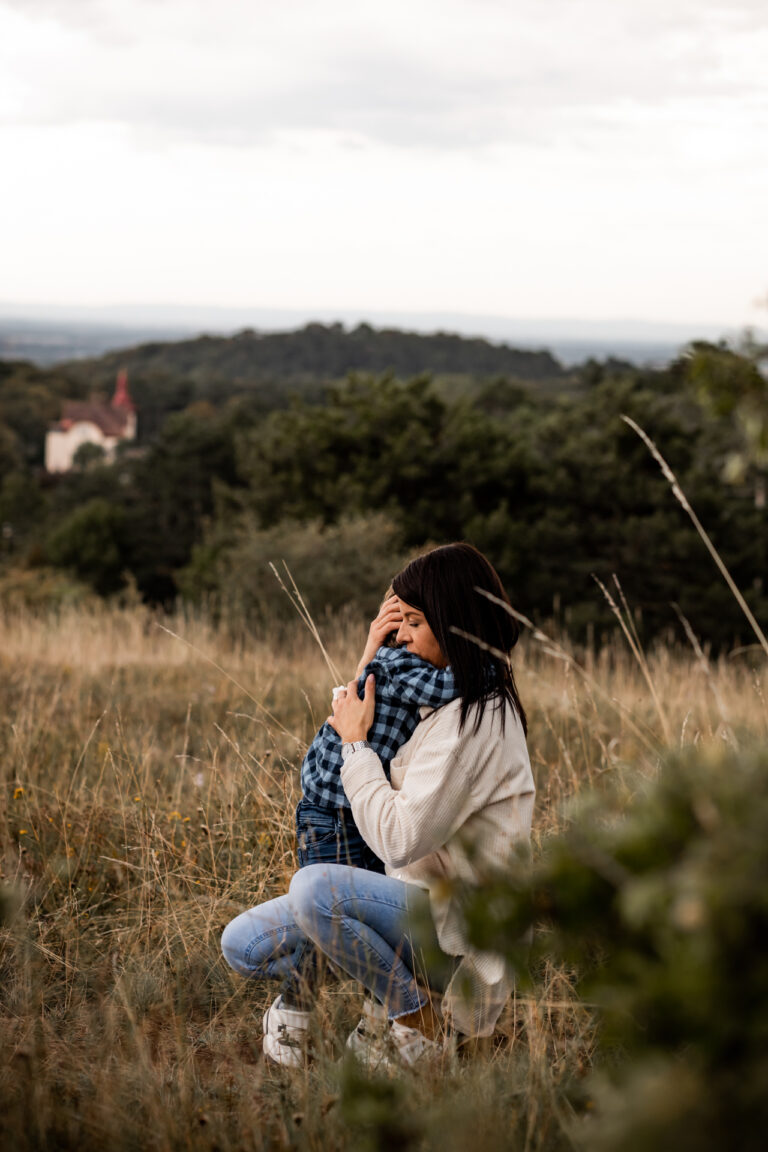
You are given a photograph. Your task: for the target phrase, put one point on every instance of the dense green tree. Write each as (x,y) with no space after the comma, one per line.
(315,353)
(170,496)
(87,455)
(554,492)
(30,400)
(376,444)
(554,486)
(23,509)
(90,542)
(10,451)
(732,387)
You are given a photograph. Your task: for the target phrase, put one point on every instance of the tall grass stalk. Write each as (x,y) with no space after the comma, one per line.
(682,499)
(299,603)
(627,626)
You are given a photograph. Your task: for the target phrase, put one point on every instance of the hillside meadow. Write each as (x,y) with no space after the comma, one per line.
(149,776)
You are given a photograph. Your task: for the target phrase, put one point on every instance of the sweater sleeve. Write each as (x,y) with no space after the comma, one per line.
(434,801)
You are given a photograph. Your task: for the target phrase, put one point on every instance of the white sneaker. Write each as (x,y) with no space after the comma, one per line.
(369,1043)
(285,1035)
(374,1015)
(382,1045)
(411,1046)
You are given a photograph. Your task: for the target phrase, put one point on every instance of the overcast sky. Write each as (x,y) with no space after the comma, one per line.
(534,158)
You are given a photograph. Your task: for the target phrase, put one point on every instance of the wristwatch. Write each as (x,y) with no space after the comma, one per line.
(348,747)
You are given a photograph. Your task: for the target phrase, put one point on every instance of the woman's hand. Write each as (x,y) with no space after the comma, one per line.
(352,717)
(388,620)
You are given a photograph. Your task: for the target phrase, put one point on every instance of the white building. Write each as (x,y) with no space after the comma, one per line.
(91,422)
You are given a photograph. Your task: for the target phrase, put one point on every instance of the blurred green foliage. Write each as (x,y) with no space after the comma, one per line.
(42,589)
(88,455)
(732,386)
(657,894)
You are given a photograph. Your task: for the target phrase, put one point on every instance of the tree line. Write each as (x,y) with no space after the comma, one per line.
(343,481)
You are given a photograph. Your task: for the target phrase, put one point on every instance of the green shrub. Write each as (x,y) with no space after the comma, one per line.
(90,543)
(40,589)
(659,897)
(89,454)
(334,566)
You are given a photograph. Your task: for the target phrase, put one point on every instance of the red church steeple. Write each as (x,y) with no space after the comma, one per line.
(122,397)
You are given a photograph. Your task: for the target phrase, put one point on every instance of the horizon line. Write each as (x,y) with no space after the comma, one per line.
(193,315)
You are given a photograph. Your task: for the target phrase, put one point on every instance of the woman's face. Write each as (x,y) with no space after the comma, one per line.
(418,637)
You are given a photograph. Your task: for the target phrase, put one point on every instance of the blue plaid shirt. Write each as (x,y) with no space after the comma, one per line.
(404,683)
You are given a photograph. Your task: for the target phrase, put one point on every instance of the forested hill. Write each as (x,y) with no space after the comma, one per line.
(318,352)
(229,475)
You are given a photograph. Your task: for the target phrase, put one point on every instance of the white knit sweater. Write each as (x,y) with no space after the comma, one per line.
(457,802)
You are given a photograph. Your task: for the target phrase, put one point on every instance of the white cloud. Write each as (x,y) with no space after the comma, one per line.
(536,157)
(447,74)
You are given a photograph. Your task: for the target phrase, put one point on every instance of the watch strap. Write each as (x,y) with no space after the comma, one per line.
(351,746)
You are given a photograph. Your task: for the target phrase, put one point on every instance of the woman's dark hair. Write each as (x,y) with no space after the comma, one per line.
(447,585)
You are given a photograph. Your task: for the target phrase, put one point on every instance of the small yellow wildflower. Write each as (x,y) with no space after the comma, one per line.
(187,819)
(136,799)
(17,792)
(174,815)
(23,832)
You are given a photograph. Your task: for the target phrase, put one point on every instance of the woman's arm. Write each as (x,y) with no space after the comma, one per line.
(452,776)
(433,803)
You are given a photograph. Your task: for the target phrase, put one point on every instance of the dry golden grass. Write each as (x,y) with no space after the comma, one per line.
(148,787)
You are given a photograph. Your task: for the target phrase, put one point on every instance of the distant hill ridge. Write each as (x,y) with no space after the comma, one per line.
(319,352)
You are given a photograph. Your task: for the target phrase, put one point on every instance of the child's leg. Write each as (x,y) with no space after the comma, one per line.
(316,834)
(354,849)
(330,836)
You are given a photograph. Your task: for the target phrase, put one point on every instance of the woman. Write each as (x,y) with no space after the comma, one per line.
(459,798)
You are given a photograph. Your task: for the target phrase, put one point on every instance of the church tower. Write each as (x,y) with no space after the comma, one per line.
(124,405)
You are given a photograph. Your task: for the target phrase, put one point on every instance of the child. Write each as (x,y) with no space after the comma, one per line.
(325,828)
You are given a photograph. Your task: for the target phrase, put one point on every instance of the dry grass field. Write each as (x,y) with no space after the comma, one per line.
(148,787)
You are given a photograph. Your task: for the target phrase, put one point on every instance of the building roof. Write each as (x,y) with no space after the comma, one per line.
(111,419)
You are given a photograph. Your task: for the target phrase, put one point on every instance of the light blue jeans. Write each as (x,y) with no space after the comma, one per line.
(362,921)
